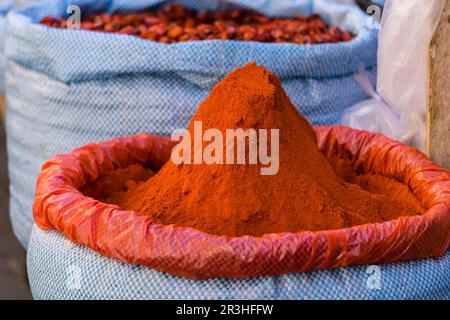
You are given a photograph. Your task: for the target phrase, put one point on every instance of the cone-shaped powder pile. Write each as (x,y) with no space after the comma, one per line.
(235,199)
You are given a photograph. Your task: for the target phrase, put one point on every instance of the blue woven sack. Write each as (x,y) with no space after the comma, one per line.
(61,269)
(66,88)
(4,8)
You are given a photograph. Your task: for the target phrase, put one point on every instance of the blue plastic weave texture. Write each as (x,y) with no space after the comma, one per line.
(60,269)
(4,9)
(66,88)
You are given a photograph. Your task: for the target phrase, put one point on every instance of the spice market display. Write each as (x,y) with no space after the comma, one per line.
(225,150)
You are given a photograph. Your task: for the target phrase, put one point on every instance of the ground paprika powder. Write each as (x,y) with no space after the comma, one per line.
(308,192)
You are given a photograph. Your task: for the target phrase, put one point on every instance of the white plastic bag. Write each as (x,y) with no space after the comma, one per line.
(374,114)
(398,110)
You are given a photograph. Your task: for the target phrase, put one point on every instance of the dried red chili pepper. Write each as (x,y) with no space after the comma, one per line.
(174,23)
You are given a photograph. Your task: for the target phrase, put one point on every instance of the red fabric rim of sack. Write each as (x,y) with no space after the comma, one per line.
(133,238)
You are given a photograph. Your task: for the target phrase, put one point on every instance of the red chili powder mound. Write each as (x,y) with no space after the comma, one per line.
(236,200)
